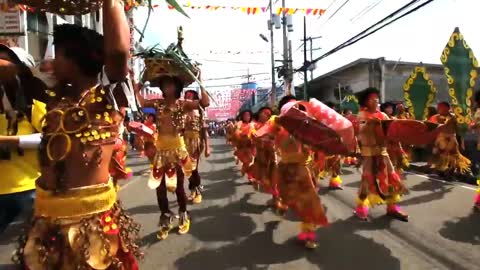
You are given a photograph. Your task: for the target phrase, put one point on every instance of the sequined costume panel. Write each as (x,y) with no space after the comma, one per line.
(93,232)
(193,140)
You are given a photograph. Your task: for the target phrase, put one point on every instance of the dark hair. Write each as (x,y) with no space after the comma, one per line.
(331,104)
(285,100)
(346,110)
(386,105)
(431,111)
(11,55)
(83,46)
(264,108)
(477,97)
(444,103)
(240,115)
(151,115)
(162,81)
(363,95)
(195,94)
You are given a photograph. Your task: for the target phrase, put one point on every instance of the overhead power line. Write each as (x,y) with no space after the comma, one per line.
(367,11)
(238,76)
(365,33)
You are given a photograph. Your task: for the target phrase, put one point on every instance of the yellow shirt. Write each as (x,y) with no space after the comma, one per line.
(20,172)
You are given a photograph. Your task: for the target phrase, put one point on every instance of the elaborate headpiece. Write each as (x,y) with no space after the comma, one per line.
(172,62)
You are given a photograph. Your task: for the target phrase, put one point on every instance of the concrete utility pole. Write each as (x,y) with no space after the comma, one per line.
(273,98)
(305,78)
(286,64)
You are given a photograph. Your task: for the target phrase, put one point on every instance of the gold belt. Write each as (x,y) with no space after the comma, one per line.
(192,134)
(75,202)
(166,142)
(369,151)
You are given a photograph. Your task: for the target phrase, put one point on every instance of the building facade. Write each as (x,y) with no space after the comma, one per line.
(388,76)
(32,30)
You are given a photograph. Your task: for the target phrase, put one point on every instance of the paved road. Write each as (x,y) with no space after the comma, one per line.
(233,229)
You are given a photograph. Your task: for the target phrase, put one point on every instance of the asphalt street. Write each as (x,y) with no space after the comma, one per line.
(234,229)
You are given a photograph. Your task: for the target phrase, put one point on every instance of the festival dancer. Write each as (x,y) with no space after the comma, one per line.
(380,183)
(245,150)
(476,127)
(402,112)
(264,164)
(171,163)
(196,140)
(331,164)
(78,222)
(395,150)
(447,159)
(149,141)
(295,183)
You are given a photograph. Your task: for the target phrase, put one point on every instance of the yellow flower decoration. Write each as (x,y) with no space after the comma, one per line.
(454,101)
(451,92)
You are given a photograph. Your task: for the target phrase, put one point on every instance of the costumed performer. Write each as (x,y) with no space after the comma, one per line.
(78,222)
(447,159)
(380,183)
(196,140)
(294,180)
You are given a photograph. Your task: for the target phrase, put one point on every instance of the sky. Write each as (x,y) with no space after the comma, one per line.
(210,35)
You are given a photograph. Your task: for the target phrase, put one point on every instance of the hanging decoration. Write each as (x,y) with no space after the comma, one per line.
(259,10)
(461,71)
(72,7)
(419,93)
(79,7)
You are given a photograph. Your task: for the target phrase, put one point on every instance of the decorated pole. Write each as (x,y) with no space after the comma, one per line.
(461,71)
(419,93)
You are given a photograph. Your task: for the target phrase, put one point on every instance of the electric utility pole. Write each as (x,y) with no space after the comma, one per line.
(273,98)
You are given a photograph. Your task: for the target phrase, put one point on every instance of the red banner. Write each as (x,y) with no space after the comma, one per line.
(228,103)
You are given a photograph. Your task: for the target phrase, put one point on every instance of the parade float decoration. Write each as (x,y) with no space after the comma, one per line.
(419,93)
(461,71)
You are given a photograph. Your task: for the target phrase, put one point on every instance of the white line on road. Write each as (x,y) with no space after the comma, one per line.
(442,181)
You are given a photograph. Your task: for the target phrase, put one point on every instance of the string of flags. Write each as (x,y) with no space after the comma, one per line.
(258,10)
(9,6)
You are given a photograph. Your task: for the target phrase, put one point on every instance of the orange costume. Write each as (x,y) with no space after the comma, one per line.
(245,149)
(446,153)
(380,183)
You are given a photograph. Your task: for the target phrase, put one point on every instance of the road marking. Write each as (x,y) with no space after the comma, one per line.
(443,181)
(127,184)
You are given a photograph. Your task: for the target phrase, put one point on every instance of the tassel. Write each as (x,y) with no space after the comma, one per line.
(153,182)
(171,180)
(361,211)
(335,182)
